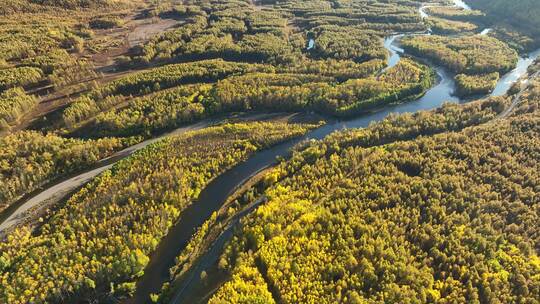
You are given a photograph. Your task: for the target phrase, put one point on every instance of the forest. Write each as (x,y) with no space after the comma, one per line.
(476,84)
(449,118)
(477,60)
(520,14)
(14,103)
(29,159)
(226,46)
(449,27)
(258,90)
(376,190)
(373,216)
(455,13)
(105,232)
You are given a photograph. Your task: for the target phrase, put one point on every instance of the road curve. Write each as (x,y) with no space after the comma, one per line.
(59,190)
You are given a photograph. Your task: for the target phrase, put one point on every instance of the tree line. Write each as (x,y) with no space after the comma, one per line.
(246,88)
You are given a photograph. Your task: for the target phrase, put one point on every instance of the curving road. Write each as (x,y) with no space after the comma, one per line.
(225,184)
(54,193)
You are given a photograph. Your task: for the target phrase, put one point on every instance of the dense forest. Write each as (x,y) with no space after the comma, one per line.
(449,27)
(8,7)
(166,97)
(453,20)
(454,13)
(257,90)
(97,245)
(366,216)
(450,117)
(478,60)
(519,13)
(246,40)
(476,84)
(29,159)
(235,57)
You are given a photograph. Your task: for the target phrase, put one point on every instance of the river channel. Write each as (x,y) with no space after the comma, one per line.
(220,189)
(217,192)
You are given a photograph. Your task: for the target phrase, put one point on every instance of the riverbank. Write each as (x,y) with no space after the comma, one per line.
(427,102)
(29,208)
(190,288)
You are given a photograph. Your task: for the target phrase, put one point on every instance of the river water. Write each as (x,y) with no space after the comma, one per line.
(462,4)
(394,50)
(524,61)
(435,97)
(485,31)
(217,192)
(311,44)
(506,82)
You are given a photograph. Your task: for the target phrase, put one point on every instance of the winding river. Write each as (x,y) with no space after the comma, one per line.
(394,50)
(435,97)
(524,61)
(217,192)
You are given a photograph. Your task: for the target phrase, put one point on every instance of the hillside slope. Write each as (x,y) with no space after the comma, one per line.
(522,14)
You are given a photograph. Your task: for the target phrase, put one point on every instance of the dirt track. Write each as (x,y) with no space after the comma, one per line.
(134,32)
(144,31)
